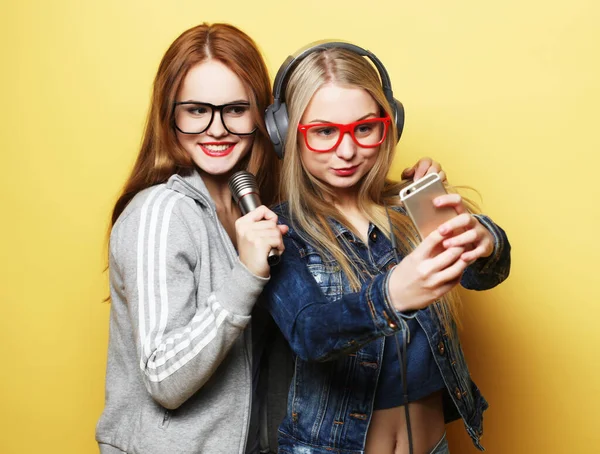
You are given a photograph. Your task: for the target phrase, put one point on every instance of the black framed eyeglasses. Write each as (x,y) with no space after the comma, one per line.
(196,117)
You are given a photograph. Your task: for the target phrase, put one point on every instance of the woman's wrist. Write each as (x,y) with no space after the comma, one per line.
(395,293)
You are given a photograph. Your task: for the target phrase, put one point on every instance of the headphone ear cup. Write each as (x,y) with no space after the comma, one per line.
(399,117)
(283,121)
(271,125)
(277,123)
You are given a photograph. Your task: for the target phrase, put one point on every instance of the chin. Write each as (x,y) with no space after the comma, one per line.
(215,168)
(216,165)
(346,183)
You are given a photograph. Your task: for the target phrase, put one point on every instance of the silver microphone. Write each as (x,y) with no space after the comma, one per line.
(244,190)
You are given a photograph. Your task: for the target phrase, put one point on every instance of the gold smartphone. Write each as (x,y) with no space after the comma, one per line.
(418,201)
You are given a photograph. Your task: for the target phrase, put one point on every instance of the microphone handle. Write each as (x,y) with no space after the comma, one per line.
(247,203)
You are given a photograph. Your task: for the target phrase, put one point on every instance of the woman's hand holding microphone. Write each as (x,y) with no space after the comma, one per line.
(257,234)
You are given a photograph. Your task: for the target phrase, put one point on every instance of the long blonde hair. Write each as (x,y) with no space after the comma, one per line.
(308,198)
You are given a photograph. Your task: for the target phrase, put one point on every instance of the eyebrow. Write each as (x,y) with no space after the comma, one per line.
(364,117)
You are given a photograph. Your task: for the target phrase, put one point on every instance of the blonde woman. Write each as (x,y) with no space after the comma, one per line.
(353,313)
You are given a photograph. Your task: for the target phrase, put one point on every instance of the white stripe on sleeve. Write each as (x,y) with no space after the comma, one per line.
(140,269)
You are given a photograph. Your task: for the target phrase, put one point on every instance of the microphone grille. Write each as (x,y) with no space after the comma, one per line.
(242,183)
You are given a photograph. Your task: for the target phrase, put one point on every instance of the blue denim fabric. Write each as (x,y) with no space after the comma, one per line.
(338,336)
(442,446)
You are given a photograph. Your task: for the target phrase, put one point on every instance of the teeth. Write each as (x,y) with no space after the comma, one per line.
(216,147)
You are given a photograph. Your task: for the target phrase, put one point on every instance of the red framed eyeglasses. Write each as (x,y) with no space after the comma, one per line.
(324,137)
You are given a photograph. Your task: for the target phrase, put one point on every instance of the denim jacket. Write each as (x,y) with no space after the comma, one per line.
(337,336)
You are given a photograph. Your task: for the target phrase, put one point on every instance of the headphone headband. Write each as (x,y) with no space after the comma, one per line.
(292,61)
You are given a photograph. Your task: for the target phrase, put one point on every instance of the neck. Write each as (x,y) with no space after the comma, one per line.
(348,206)
(346,202)
(227,211)
(218,188)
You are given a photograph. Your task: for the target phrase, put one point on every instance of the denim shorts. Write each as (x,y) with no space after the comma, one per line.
(441,447)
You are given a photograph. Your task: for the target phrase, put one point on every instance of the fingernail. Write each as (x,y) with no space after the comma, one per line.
(443,230)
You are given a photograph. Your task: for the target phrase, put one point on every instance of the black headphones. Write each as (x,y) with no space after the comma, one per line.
(276,115)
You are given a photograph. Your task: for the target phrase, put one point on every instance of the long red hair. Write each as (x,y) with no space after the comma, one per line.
(161,155)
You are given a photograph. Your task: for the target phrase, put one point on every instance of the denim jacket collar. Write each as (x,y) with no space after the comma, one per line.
(341,230)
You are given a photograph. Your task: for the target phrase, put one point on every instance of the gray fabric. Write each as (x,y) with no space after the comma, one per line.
(179,371)
(108,449)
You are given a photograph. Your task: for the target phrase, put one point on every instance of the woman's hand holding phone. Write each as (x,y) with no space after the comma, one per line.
(464,230)
(453,239)
(425,274)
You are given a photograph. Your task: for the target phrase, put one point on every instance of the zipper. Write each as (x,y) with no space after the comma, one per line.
(247,337)
(248,357)
(166,419)
(232,255)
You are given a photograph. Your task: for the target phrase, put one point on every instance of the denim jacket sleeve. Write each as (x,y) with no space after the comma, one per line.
(490,271)
(316,327)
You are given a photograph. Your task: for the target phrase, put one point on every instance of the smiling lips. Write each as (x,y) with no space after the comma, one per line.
(346,171)
(217,149)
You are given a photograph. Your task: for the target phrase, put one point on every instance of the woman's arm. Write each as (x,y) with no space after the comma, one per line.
(180,339)
(317,328)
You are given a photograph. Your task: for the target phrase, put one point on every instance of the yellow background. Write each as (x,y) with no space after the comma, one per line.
(504,94)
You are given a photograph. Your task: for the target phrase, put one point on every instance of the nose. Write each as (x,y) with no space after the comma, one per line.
(216,128)
(347,148)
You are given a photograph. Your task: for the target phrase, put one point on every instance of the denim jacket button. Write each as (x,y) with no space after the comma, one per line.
(458,393)
(373,236)
(441,348)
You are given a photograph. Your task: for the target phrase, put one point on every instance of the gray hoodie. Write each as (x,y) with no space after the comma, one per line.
(179,371)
